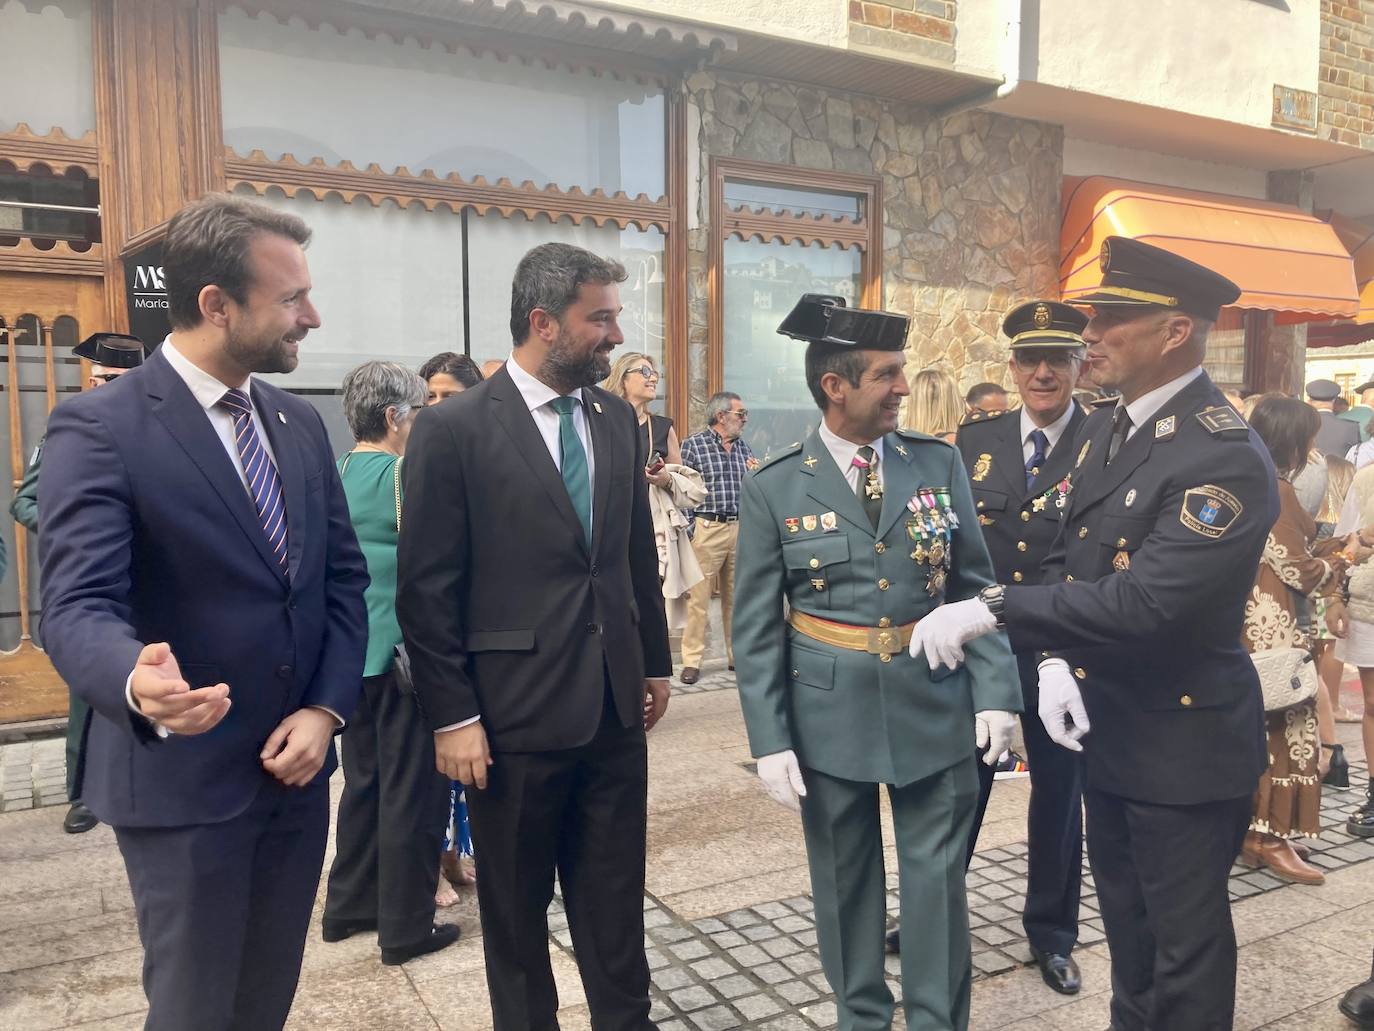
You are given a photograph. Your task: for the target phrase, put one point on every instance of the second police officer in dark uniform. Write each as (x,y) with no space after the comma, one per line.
(1018,463)
(1171,499)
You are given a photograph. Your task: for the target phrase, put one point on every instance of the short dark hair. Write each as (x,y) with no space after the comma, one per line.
(207,244)
(846,362)
(459,366)
(980,392)
(1288,427)
(549,277)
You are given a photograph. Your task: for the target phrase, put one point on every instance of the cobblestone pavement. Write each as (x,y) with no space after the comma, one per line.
(730,935)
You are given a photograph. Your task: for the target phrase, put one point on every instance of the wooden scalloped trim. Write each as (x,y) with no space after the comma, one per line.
(315,19)
(56,151)
(61,258)
(349,183)
(823,230)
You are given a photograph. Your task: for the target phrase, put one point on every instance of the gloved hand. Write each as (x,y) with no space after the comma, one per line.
(943,632)
(1061,705)
(782,778)
(992,730)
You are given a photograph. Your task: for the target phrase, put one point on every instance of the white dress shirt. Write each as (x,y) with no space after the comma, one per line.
(843,452)
(1146,405)
(1052,432)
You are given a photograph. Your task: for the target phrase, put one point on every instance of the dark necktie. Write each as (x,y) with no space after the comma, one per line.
(258,469)
(1041,444)
(1121,425)
(869,490)
(574,463)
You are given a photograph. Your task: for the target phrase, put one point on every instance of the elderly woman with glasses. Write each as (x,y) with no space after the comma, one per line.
(391,815)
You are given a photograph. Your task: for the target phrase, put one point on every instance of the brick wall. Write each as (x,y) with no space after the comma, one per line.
(1345,90)
(921,27)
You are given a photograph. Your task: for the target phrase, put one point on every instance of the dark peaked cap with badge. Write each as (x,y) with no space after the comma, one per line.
(1044,324)
(825,319)
(113,350)
(1136,273)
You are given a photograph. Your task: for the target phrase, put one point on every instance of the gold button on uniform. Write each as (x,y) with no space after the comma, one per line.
(795,674)
(980,504)
(1020,545)
(1025,517)
(885,622)
(885,657)
(1080,672)
(1068,578)
(1082,532)
(883,584)
(1016,576)
(880,547)
(1121,542)
(1186,700)
(815,563)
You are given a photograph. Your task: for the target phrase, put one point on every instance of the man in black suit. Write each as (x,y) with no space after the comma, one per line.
(203,592)
(1171,499)
(531,607)
(1017,464)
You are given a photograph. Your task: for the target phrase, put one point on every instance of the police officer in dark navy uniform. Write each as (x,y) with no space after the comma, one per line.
(1171,497)
(1017,462)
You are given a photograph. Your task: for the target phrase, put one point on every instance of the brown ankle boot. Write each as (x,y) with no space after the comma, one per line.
(1250,850)
(1280,860)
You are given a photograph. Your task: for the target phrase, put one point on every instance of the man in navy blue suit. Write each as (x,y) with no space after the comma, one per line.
(203,592)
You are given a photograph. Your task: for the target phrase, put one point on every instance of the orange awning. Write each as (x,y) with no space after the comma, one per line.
(1283,259)
(1358,239)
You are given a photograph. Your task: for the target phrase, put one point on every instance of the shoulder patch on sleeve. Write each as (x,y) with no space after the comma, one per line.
(1221,419)
(772,460)
(1208,510)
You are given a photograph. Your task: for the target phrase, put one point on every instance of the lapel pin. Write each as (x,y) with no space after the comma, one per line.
(597,405)
(1164,428)
(1130,497)
(282,417)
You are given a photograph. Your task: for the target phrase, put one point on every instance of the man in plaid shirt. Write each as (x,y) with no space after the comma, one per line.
(722,458)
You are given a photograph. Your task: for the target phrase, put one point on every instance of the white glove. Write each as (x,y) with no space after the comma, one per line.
(993,729)
(1061,705)
(943,632)
(782,778)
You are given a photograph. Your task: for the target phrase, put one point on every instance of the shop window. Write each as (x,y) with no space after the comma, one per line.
(319,92)
(46,207)
(48,66)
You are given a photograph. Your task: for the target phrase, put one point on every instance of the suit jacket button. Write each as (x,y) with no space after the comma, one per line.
(1068,578)
(591,628)
(1017,577)
(1080,672)
(885,657)
(815,563)
(880,547)
(795,674)
(595,571)
(285,672)
(1186,700)
(885,622)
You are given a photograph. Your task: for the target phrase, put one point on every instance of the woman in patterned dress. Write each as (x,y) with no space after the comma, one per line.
(1288,800)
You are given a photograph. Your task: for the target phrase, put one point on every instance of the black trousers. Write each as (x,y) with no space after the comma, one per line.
(1161,877)
(580,812)
(1054,827)
(223,909)
(391,817)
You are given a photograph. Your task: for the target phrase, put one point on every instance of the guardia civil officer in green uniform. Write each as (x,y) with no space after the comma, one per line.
(111,355)
(1171,498)
(846,540)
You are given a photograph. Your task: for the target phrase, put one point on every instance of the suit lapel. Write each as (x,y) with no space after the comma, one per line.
(178,410)
(511,414)
(290,471)
(602,449)
(827,486)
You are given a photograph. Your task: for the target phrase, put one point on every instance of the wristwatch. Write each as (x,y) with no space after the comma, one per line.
(994,597)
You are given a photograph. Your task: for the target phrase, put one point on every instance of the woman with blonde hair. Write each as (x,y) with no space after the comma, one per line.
(673,486)
(935,406)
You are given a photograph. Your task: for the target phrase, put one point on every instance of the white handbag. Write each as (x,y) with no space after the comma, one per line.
(1288,677)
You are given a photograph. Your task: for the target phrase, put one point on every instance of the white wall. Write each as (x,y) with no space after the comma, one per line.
(1085,157)
(1215,58)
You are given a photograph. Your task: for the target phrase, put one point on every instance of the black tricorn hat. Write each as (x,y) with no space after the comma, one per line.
(113,350)
(825,319)
(1136,273)
(1044,324)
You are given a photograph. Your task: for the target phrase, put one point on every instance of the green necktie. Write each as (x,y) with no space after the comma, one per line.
(574,463)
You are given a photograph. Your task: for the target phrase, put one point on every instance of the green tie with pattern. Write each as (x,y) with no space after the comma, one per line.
(574,463)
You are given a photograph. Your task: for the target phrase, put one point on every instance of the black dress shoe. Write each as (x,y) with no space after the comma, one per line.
(1059,972)
(893,941)
(1358,1004)
(441,936)
(338,930)
(79,819)
(1361,824)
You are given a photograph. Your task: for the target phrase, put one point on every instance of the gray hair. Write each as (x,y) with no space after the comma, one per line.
(549,276)
(372,388)
(717,405)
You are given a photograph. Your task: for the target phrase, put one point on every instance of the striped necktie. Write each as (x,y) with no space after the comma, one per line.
(263,482)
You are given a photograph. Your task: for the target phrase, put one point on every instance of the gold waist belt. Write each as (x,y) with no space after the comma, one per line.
(876,640)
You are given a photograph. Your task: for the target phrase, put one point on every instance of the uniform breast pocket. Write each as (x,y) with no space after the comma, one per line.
(817,577)
(1120,536)
(991,505)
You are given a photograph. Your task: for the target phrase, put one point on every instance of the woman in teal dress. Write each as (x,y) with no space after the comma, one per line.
(395,801)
